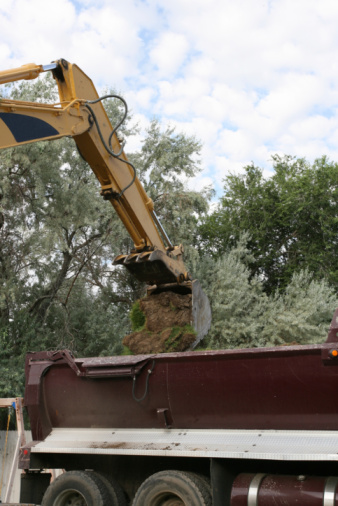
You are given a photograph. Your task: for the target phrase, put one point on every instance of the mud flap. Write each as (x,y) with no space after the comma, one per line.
(33,487)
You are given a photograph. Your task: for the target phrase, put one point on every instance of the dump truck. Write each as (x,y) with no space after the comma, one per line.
(241,427)
(237,427)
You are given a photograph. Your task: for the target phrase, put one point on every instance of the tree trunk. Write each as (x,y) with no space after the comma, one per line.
(41,305)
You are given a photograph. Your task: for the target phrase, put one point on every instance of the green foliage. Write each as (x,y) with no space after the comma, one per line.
(246,316)
(291,218)
(302,313)
(137,317)
(166,162)
(126,351)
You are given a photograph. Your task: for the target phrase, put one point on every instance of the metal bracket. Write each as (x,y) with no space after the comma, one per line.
(163,416)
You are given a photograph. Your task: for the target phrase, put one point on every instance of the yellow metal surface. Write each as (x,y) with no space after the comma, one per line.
(67,119)
(28,71)
(6,137)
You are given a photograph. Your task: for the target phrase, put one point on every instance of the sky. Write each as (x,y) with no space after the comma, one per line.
(249,79)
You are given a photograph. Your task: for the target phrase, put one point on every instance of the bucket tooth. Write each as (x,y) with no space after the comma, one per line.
(119,260)
(131,258)
(143,257)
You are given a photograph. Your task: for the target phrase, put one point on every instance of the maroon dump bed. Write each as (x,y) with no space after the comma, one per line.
(286,388)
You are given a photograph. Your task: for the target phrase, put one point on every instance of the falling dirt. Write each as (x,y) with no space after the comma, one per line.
(167,325)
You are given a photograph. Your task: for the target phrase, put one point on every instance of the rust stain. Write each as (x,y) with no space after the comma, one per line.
(109,445)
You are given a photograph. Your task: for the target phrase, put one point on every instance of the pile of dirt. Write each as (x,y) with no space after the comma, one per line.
(166,324)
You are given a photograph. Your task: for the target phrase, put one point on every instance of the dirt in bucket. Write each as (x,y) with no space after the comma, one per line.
(161,323)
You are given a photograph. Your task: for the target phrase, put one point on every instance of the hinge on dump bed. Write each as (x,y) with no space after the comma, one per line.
(54,356)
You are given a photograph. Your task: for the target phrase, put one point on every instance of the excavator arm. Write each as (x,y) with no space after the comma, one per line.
(81,115)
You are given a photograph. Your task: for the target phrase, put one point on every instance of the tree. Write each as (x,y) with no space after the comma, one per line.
(291,219)
(166,162)
(244,315)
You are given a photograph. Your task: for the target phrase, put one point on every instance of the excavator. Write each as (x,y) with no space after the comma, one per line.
(80,114)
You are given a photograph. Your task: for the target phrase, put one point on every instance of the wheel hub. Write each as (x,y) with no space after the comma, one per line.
(70,498)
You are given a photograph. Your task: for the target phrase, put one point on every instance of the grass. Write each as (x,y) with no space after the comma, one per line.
(137,317)
(172,341)
(126,351)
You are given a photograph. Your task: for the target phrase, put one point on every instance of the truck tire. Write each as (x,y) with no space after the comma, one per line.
(173,488)
(77,488)
(116,492)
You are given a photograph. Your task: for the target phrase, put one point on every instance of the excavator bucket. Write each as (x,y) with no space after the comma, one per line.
(152,267)
(201,312)
(156,268)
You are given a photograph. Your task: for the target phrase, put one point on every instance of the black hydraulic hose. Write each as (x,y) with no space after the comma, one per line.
(140,399)
(109,147)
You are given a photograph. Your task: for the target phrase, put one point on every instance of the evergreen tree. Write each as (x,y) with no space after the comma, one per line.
(244,315)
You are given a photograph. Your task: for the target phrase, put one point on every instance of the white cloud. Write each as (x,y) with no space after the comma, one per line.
(248,79)
(199,183)
(141,99)
(169,52)
(32,29)
(296,94)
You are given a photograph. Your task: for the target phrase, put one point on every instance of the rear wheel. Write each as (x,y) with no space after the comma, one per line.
(77,488)
(173,488)
(116,493)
